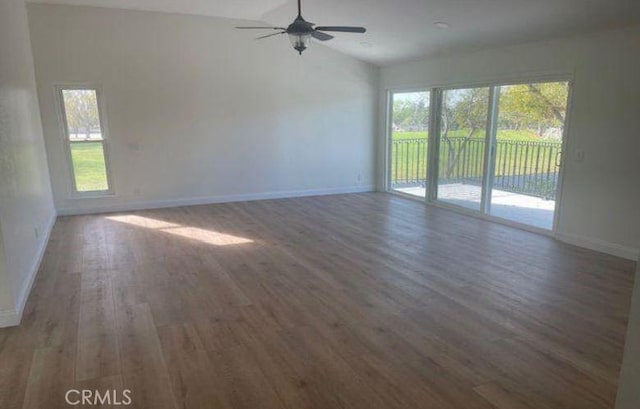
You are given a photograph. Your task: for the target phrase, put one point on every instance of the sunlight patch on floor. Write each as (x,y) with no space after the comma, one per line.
(206,236)
(143,221)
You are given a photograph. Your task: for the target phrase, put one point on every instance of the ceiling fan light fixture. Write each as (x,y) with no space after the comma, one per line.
(301,31)
(300,41)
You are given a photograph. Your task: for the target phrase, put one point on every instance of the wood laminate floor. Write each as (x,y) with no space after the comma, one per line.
(360,301)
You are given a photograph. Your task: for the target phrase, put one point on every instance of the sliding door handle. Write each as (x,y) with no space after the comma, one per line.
(559,159)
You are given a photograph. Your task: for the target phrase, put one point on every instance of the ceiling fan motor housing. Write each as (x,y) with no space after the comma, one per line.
(300,26)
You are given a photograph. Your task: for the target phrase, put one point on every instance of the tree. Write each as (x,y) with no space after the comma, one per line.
(81,109)
(534,106)
(411,112)
(466,110)
(531,106)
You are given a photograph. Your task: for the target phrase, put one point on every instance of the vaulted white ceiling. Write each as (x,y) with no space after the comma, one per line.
(400,30)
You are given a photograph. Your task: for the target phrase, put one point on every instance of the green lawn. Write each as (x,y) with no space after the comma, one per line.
(523,135)
(513,156)
(89,166)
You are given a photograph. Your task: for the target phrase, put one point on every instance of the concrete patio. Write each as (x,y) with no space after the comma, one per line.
(520,208)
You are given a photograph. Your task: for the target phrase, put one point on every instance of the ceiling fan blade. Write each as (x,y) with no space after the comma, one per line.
(260,28)
(321,36)
(269,35)
(342,29)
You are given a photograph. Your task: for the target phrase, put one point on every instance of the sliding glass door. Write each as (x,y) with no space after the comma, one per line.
(408,152)
(527,150)
(496,149)
(463,134)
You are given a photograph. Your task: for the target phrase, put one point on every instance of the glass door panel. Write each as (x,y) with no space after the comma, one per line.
(463,134)
(527,149)
(408,145)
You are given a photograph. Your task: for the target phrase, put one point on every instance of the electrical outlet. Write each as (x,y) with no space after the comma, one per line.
(359,178)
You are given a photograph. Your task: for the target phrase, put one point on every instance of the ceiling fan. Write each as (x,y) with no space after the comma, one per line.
(301,31)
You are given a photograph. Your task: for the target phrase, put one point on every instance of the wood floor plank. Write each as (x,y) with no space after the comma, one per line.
(15,364)
(97,354)
(240,381)
(193,374)
(504,399)
(50,377)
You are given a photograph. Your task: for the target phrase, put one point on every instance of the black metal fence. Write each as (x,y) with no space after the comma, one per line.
(527,167)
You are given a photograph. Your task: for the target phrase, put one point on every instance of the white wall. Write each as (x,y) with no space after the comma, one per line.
(198,111)
(629,385)
(601,194)
(26,206)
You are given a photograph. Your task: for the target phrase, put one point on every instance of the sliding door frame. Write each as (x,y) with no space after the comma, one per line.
(564,152)
(434,164)
(488,174)
(433,143)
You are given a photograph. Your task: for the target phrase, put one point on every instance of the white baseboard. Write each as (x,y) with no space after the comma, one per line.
(9,318)
(601,246)
(13,317)
(158,204)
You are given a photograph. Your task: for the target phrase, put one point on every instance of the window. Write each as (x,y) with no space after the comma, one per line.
(85,139)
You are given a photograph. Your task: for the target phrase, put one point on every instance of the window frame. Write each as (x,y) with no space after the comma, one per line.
(62,115)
